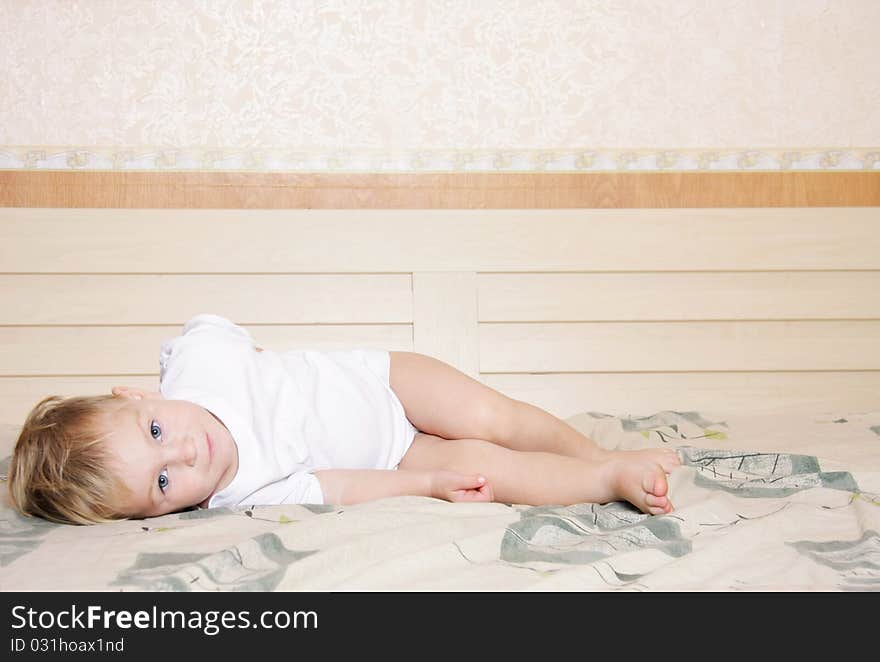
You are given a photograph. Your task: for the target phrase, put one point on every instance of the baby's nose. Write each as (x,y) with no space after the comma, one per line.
(185,451)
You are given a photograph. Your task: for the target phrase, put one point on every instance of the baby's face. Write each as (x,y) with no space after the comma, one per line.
(171,454)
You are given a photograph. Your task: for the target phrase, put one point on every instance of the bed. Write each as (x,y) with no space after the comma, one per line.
(773,502)
(746,338)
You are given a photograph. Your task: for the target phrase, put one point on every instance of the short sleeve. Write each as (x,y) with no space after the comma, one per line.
(306,488)
(299,487)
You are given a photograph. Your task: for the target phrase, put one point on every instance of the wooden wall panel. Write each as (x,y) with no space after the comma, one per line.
(679,346)
(445,318)
(647,296)
(643,394)
(763,297)
(400,241)
(172,299)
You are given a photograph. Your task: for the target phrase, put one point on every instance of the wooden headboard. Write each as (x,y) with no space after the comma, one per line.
(622,311)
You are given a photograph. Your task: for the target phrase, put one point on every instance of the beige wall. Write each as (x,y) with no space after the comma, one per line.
(484,85)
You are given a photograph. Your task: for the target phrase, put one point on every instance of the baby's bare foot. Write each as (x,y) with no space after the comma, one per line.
(640,478)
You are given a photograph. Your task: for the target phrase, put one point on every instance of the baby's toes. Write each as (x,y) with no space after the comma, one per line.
(670,460)
(655,484)
(658,505)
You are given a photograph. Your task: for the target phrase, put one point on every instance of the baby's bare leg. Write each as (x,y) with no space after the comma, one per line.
(539,478)
(443,401)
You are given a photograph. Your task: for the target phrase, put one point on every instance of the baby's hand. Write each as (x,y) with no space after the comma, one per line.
(454,486)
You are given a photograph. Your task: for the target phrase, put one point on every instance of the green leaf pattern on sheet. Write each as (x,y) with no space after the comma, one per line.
(857,561)
(674,425)
(19,535)
(585,533)
(256,564)
(758,475)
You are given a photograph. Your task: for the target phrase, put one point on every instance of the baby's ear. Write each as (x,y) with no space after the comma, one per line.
(135,393)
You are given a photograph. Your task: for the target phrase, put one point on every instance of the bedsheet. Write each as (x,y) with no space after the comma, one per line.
(778,501)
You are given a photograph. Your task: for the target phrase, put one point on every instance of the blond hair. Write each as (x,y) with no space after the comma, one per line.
(60,470)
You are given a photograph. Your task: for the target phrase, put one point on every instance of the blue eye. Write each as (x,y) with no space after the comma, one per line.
(163,479)
(155,430)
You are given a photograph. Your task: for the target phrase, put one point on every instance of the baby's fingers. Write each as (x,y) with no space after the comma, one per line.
(476,482)
(473,488)
(486,493)
(470,495)
(457,481)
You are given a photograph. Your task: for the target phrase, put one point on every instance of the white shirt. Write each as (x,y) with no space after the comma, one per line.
(289,413)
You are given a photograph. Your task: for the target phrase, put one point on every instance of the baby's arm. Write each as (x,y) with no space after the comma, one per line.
(348,486)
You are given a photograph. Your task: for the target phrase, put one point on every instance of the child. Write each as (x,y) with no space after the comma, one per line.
(233,424)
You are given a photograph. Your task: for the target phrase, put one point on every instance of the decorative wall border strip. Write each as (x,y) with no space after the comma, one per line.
(469,190)
(550,160)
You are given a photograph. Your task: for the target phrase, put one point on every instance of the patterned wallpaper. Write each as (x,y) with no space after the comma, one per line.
(440,85)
